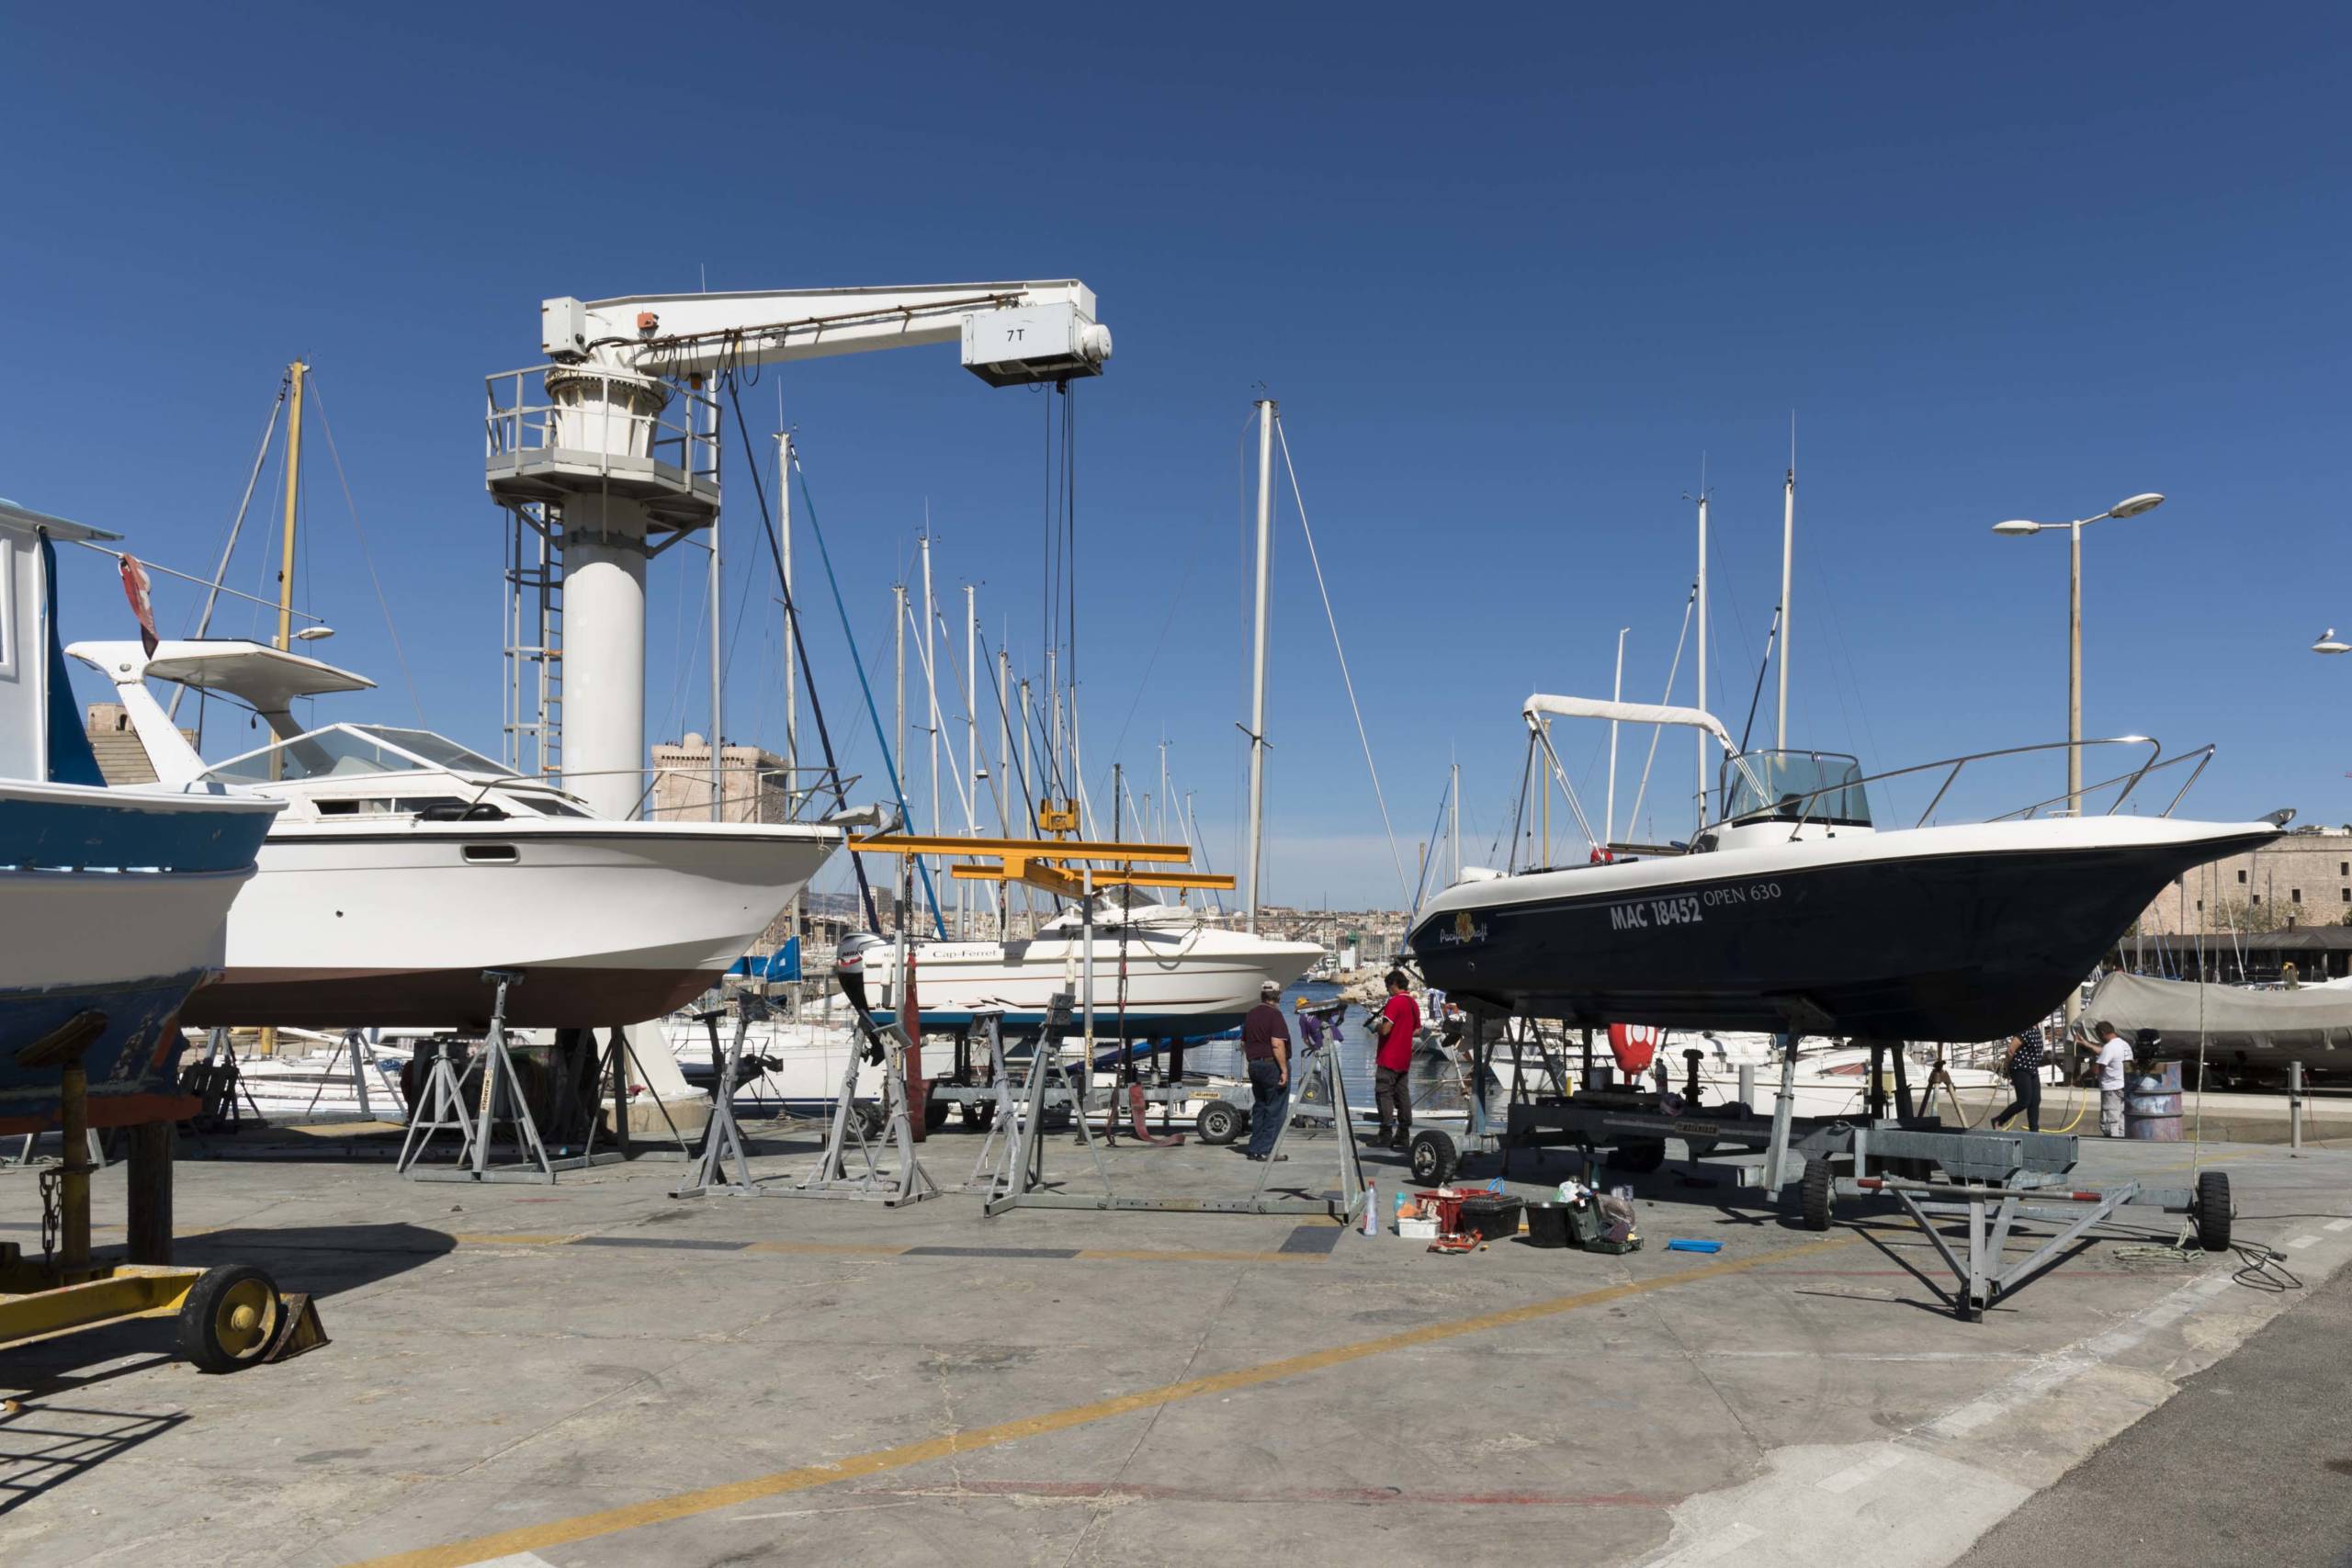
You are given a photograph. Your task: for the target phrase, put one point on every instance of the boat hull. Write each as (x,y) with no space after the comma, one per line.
(1957,946)
(136,1052)
(1176,984)
(607,924)
(113,902)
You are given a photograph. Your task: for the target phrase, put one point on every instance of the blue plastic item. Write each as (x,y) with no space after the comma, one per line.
(1684,1243)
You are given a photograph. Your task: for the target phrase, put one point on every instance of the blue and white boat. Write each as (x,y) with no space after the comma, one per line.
(113,901)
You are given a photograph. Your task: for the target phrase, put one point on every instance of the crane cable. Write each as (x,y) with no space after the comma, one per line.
(792,619)
(857,662)
(1349,680)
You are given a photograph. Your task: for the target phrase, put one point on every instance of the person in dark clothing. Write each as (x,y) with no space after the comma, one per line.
(1265,1047)
(2025,1081)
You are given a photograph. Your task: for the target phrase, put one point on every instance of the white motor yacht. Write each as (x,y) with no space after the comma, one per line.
(404,866)
(1160,971)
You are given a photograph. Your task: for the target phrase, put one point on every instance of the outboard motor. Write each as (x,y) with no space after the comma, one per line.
(849,968)
(849,965)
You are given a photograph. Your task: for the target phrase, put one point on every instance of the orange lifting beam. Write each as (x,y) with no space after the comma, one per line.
(1030,861)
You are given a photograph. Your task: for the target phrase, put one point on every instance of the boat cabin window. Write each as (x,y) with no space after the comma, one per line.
(1789,786)
(439,750)
(344,750)
(388,806)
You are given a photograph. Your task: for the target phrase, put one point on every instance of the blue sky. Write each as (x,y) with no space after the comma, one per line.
(1513,275)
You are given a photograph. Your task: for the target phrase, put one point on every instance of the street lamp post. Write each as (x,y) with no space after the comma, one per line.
(2018,528)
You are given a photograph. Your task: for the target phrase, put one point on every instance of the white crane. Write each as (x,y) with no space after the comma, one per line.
(588,452)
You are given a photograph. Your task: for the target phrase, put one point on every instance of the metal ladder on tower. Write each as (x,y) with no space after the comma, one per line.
(534,638)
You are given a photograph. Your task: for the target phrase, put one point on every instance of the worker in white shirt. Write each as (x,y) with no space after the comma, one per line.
(2114,1059)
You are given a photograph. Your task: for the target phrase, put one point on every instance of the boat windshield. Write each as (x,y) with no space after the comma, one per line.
(352,749)
(1789,787)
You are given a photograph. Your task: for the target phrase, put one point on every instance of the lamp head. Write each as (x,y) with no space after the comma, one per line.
(2328,643)
(2132,506)
(2017,527)
(314,634)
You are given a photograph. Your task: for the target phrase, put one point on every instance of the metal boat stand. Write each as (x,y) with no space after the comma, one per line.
(363,1061)
(499,1098)
(613,1070)
(874,1182)
(1028,1187)
(1013,1157)
(725,1166)
(217,1080)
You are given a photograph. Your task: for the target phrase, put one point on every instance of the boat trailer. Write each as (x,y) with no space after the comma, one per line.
(1994,1179)
(229,1316)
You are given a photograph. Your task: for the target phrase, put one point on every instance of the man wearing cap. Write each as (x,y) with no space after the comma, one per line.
(1265,1047)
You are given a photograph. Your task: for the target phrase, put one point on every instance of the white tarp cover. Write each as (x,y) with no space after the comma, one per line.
(1629,712)
(2314,1018)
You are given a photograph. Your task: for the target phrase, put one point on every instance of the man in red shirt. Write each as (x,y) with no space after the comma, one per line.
(1399,1021)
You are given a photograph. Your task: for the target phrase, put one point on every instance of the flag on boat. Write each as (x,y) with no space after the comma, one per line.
(135,588)
(784,964)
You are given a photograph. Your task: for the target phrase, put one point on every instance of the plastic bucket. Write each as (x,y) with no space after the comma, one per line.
(2152,1103)
(1547,1224)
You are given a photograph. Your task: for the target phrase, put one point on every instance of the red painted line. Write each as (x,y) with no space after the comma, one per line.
(1144,1491)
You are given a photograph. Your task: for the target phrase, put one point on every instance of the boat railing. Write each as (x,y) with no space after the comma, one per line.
(1952,768)
(776,794)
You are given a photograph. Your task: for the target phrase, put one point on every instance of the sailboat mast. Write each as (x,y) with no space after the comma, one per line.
(1702,651)
(1788,556)
(791,675)
(295,372)
(899,726)
(1454,813)
(930,697)
(1616,694)
(1016,784)
(1258,649)
(974,772)
(718,695)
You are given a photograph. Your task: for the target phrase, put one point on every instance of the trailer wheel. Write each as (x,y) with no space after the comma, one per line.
(229,1318)
(2213,1211)
(934,1114)
(1434,1157)
(1816,1197)
(1219,1123)
(869,1119)
(979,1116)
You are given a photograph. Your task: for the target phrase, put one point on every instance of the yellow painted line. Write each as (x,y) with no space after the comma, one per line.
(685,1505)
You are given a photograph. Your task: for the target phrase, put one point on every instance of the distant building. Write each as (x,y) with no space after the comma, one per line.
(754,783)
(2303,880)
(123,756)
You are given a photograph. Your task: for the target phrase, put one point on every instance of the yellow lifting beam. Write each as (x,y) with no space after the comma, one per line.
(1032,861)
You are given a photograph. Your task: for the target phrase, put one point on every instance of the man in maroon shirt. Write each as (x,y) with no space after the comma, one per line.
(1265,1049)
(1399,1021)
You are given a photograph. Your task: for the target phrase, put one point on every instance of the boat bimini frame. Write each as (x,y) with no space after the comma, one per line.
(1797,808)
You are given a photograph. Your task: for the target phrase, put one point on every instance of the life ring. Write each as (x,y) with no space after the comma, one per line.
(1633,1045)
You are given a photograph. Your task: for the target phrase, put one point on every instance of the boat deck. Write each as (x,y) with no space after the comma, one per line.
(593,1374)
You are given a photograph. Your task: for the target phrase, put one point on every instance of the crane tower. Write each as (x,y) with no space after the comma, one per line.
(608,454)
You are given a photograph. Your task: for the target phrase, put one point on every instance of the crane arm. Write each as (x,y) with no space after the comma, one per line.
(1011,334)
